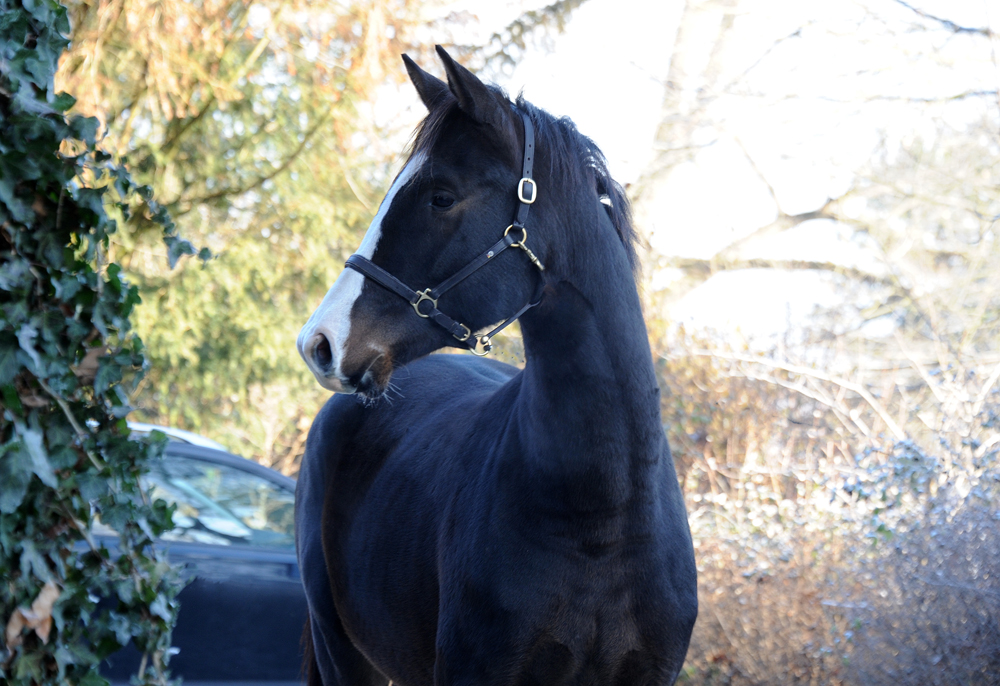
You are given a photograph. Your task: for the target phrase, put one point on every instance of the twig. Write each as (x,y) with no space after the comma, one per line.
(920,370)
(816,374)
(977,408)
(960,587)
(760,175)
(948,23)
(80,431)
(59,208)
(261,180)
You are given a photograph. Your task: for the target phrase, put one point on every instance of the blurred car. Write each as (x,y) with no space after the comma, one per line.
(244,608)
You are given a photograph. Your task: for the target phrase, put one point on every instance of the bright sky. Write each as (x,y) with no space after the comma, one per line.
(814,108)
(607,74)
(810,127)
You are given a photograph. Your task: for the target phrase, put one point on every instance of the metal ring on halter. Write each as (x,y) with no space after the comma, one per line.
(424,295)
(521,244)
(524,236)
(482,346)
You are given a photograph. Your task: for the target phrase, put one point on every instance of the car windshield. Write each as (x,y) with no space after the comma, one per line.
(222,505)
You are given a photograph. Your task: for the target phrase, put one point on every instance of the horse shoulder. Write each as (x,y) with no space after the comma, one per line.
(333,428)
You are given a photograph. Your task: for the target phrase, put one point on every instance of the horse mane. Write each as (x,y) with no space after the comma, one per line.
(572,156)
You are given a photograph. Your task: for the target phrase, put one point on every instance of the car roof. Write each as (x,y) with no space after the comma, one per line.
(186,444)
(222,457)
(176,435)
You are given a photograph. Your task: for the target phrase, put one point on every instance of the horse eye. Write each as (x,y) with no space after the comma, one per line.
(442,201)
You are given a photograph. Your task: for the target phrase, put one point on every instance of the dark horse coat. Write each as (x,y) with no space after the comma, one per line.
(460,521)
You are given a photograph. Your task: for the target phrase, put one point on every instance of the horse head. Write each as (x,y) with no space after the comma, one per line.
(425,275)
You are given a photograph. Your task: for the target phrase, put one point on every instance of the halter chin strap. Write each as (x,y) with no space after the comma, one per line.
(425,302)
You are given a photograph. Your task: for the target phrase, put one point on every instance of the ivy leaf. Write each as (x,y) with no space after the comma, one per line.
(26,338)
(93,679)
(66,287)
(92,486)
(18,208)
(85,129)
(15,474)
(161,608)
(9,365)
(34,441)
(176,249)
(108,373)
(62,102)
(33,563)
(38,9)
(12,401)
(14,274)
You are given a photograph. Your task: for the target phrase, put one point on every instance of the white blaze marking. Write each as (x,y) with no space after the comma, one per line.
(333,316)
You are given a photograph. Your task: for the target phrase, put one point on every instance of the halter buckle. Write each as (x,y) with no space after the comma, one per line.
(520,190)
(424,295)
(482,347)
(464,337)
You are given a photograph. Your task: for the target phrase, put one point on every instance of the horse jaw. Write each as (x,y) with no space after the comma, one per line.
(322,342)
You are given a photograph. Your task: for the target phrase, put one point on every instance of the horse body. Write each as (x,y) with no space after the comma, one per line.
(493,525)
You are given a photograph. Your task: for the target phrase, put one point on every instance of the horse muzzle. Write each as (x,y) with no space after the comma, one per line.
(316,349)
(356,368)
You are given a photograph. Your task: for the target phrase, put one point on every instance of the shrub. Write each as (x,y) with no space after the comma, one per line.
(832,547)
(67,362)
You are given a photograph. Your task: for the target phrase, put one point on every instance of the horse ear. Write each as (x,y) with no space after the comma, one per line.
(432,90)
(474,97)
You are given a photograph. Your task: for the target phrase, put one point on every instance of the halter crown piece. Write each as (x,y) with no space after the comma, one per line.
(425,302)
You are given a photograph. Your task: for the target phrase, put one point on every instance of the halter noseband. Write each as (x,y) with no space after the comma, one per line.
(425,302)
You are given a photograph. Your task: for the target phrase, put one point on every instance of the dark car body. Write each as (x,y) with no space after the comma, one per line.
(243,610)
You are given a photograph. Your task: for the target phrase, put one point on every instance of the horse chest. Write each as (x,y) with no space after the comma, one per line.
(531,596)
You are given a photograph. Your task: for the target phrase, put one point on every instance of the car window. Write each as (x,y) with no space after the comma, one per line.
(222,505)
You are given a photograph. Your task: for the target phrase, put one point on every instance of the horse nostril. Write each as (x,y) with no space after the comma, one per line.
(366,384)
(322,355)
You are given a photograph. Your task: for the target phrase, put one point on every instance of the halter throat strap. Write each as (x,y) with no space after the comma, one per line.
(425,302)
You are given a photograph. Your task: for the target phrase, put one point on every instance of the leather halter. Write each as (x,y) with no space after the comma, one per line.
(425,302)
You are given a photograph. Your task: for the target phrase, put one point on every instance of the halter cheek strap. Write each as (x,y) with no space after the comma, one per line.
(515,236)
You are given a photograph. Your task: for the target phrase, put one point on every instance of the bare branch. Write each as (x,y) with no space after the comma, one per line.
(760,175)
(815,374)
(783,223)
(706,267)
(977,408)
(947,23)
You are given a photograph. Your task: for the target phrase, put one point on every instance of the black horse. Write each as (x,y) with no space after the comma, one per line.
(467,522)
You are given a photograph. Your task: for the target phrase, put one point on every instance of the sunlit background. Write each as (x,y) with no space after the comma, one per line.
(816,186)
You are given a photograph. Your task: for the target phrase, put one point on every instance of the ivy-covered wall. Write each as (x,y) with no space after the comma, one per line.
(67,362)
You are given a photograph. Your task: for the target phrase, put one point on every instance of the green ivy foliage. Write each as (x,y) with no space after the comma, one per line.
(67,362)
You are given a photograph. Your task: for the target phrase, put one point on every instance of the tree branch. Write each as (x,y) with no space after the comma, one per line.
(783,223)
(947,23)
(706,267)
(260,180)
(815,374)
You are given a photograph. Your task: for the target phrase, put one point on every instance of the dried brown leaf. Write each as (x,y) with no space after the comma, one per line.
(86,371)
(37,618)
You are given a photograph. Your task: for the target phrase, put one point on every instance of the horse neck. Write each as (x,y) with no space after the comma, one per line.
(590,398)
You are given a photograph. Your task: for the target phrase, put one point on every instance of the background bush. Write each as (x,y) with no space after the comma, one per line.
(832,547)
